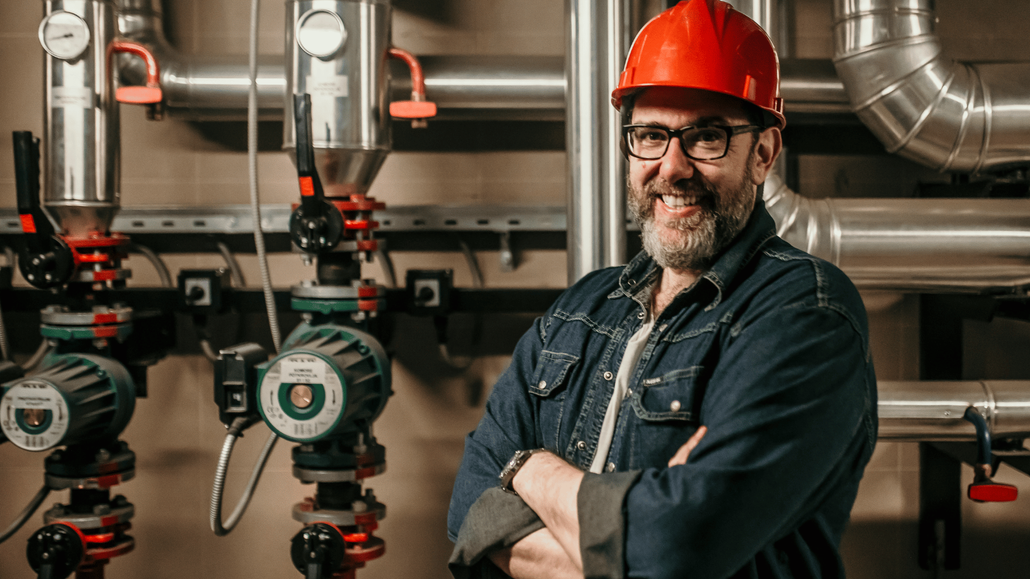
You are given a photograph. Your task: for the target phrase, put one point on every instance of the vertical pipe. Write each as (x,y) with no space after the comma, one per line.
(596,189)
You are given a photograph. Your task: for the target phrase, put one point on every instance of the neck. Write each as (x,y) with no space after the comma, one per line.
(670,283)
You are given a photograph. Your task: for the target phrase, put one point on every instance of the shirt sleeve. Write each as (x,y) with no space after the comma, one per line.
(788,416)
(508,424)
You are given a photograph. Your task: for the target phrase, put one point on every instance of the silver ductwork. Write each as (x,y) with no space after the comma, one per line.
(81,116)
(910,244)
(916,411)
(944,114)
(597,40)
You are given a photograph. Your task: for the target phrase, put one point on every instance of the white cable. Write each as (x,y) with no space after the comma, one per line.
(239,424)
(235,272)
(26,513)
(221,529)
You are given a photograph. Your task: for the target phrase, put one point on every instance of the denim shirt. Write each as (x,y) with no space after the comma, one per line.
(768,350)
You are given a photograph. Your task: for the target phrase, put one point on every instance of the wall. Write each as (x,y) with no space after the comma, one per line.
(175,431)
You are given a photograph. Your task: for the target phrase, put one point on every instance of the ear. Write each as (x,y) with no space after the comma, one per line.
(767,149)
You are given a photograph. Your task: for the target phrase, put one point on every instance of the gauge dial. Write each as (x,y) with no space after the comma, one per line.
(321,33)
(64,35)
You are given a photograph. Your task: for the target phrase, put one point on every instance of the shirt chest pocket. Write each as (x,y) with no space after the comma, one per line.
(672,397)
(548,388)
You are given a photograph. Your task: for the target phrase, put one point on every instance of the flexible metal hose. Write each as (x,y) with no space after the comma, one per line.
(221,529)
(26,513)
(240,424)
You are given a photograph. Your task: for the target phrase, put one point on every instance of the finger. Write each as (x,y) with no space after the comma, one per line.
(684,451)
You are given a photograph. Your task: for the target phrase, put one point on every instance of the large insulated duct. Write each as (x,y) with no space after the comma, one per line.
(933,410)
(944,114)
(910,244)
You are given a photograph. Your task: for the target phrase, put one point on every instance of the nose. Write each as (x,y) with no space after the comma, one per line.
(675,165)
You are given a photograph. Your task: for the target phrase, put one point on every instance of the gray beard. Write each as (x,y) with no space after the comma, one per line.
(708,232)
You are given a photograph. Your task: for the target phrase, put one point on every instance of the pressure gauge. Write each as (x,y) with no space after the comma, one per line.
(321,33)
(64,35)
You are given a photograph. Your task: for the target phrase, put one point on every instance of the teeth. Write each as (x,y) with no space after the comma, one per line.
(675,202)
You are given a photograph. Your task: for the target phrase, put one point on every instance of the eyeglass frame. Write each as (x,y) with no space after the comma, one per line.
(730,130)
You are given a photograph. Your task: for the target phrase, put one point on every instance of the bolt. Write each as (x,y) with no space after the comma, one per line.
(45,555)
(103,455)
(101,373)
(102,510)
(358,507)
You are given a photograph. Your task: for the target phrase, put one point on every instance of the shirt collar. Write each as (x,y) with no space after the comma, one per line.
(641,273)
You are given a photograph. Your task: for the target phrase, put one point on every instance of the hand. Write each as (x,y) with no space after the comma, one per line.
(684,451)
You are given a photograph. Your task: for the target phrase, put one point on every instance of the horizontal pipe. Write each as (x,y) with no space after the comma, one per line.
(957,245)
(933,411)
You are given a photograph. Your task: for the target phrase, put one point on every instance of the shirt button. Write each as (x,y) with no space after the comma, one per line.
(608,375)
(675,406)
(542,384)
(611,467)
(640,315)
(581,445)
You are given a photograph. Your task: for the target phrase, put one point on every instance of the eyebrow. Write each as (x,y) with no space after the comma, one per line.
(701,122)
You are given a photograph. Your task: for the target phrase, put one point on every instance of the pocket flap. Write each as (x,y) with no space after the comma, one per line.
(673,396)
(552,369)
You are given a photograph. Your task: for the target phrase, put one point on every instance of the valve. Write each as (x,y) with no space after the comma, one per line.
(983,489)
(150,94)
(46,261)
(318,550)
(316,226)
(56,550)
(418,109)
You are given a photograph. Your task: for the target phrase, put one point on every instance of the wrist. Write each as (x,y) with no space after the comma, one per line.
(513,467)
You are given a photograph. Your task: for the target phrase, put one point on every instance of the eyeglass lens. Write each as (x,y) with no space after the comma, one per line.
(702,143)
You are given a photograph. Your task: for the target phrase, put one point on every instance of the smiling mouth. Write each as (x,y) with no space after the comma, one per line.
(678,202)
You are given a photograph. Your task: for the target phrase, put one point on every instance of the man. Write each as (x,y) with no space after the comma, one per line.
(708,410)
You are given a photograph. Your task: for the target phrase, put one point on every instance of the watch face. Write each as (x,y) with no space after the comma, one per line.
(64,35)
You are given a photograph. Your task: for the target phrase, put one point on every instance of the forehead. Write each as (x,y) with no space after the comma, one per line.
(681,107)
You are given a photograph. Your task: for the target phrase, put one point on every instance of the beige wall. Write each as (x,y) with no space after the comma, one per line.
(175,431)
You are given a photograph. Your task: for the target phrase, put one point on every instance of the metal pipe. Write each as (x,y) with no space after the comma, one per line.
(935,111)
(910,244)
(81,117)
(934,410)
(596,221)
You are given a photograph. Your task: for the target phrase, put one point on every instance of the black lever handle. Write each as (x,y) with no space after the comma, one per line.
(26,174)
(316,226)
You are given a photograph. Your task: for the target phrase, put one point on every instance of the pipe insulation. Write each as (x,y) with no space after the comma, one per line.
(910,244)
(941,113)
(211,88)
(927,411)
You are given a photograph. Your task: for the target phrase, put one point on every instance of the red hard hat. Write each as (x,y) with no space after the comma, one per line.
(705,44)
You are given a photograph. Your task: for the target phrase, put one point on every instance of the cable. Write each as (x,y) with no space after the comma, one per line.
(470,258)
(235,272)
(221,529)
(157,262)
(26,514)
(386,263)
(255,205)
(45,347)
(238,425)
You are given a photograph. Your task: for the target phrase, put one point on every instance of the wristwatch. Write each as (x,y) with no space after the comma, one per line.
(512,468)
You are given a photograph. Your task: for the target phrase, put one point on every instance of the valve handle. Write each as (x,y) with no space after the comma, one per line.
(140,95)
(418,109)
(56,550)
(46,261)
(983,489)
(318,550)
(316,225)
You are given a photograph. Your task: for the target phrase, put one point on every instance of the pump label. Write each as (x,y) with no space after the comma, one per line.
(334,86)
(302,397)
(71,97)
(34,416)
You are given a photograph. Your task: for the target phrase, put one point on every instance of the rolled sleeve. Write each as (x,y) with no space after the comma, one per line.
(601,505)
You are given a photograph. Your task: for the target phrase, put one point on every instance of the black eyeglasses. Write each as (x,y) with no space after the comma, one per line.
(706,143)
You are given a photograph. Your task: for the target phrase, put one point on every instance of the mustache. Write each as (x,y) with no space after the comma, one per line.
(706,196)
